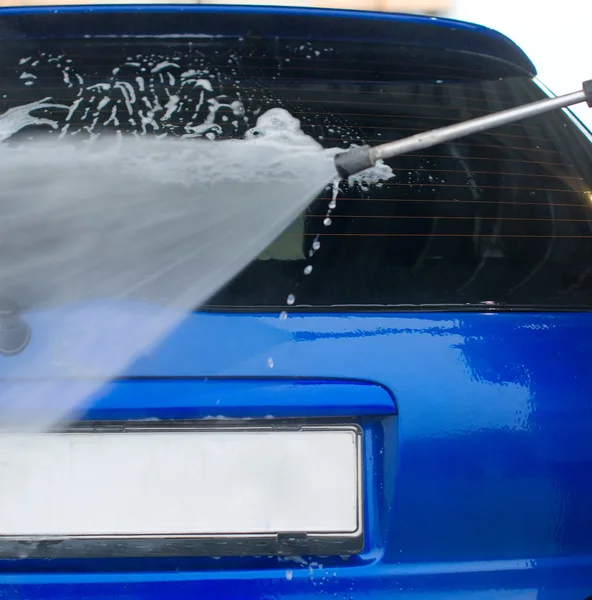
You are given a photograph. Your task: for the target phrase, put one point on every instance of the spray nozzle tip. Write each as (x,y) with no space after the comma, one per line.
(354,161)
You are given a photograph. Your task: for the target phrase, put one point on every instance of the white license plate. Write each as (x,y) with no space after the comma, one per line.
(219,483)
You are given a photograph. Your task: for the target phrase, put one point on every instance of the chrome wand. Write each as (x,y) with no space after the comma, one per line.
(358,159)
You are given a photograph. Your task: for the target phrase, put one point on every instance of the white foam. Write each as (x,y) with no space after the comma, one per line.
(19,117)
(104,101)
(163,65)
(113,117)
(129,94)
(205,83)
(171,106)
(100,86)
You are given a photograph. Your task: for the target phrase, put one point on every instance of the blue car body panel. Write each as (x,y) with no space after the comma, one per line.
(477,453)
(480,481)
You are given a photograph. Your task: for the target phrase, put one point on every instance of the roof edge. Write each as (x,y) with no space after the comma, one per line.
(378,27)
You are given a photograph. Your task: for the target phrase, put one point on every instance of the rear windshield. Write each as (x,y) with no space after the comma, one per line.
(496,219)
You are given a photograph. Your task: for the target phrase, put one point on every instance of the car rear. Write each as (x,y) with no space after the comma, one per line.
(399,380)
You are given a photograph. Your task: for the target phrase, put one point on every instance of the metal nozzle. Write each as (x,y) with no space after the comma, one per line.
(353,161)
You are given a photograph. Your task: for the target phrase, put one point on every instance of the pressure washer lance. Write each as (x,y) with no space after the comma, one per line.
(358,159)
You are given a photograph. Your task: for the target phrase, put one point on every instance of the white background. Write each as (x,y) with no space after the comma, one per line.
(554,34)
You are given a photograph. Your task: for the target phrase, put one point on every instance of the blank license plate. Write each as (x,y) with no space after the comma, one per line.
(289,491)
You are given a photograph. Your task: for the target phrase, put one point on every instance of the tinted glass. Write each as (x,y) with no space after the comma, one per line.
(500,217)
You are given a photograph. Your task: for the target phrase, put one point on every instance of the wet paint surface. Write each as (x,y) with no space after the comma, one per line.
(480,480)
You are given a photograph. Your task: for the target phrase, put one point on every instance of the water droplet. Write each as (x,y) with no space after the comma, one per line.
(327,222)
(316,245)
(308,270)
(291,299)
(270,362)
(283,315)
(332,204)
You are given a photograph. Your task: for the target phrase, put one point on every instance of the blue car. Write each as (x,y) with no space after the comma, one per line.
(392,401)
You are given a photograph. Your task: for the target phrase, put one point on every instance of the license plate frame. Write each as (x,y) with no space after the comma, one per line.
(285,542)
